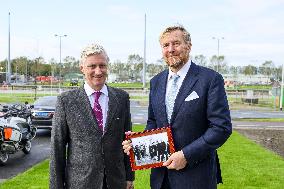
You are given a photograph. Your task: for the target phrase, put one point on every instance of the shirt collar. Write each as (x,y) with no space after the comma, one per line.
(182,72)
(89,90)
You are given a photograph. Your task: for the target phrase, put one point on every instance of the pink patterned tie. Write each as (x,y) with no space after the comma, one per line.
(98,110)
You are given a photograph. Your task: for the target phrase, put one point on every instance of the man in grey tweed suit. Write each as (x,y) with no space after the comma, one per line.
(84,155)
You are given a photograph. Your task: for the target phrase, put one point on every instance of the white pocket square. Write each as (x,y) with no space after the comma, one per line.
(192,96)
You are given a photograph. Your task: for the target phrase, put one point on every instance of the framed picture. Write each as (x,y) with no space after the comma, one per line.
(150,148)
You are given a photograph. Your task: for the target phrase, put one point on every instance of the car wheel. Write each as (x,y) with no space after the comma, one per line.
(3,158)
(27,147)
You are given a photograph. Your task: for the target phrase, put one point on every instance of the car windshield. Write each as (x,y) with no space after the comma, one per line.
(46,101)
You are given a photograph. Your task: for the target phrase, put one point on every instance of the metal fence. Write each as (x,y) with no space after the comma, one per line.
(253,97)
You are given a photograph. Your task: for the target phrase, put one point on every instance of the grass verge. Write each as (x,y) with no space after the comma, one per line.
(244,163)
(260,119)
(36,177)
(18,97)
(128,85)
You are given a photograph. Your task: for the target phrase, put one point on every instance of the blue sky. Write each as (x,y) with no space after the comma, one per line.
(253,30)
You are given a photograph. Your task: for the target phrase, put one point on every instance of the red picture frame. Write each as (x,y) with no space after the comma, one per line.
(150,148)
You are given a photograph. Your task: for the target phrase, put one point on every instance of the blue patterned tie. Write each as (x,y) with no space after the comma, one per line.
(172,93)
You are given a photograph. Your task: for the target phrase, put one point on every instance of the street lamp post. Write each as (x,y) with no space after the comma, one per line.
(144,59)
(60,36)
(27,72)
(218,40)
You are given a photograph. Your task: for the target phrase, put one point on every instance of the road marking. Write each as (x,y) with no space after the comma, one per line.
(137,117)
(139,114)
(137,123)
(278,126)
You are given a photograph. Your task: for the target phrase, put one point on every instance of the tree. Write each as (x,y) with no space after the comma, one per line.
(119,68)
(218,64)
(54,67)
(70,64)
(155,68)
(20,65)
(234,70)
(278,73)
(267,68)
(250,70)
(3,69)
(3,65)
(135,66)
(200,60)
(37,68)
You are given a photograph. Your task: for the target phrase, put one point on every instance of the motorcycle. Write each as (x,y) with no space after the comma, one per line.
(16,131)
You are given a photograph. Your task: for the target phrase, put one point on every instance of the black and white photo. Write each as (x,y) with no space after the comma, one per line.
(151,148)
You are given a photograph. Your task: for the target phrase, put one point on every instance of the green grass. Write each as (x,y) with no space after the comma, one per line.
(144,98)
(23,97)
(251,87)
(244,165)
(36,177)
(128,85)
(248,165)
(18,97)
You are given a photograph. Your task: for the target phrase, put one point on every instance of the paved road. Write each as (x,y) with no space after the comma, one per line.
(258,125)
(256,114)
(139,113)
(20,162)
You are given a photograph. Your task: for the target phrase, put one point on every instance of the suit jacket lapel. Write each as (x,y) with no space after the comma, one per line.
(112,107)
(84,103)
(186,87)
(160,98)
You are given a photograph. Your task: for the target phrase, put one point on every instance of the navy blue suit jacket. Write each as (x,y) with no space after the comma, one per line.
(199,126)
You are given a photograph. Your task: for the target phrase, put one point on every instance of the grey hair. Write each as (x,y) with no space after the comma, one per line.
(93,49)
(186,34)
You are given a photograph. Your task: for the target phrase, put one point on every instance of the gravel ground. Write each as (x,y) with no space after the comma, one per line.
(272,139)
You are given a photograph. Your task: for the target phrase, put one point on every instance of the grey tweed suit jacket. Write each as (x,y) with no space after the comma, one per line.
(80,154)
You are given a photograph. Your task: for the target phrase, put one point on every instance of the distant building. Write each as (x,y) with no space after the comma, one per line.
(246,79)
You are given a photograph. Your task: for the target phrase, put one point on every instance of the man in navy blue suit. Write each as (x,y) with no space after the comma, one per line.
(191,99)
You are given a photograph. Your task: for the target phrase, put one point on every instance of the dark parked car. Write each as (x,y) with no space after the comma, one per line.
(43,111)
(74,82)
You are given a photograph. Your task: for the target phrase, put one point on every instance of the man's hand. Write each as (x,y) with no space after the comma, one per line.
(129,185)
(176,161)
(126,144)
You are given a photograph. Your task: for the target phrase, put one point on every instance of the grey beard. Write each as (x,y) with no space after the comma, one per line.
(177,63)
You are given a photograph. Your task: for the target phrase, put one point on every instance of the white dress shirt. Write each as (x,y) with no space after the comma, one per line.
(103,100)
(182,73)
